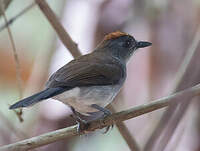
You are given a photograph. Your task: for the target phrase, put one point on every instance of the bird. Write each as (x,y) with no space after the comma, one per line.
(90,82)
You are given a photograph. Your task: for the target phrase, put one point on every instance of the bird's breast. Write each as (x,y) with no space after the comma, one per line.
(81,98)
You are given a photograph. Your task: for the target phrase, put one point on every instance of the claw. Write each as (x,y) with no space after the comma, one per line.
(108,128)
(82,126)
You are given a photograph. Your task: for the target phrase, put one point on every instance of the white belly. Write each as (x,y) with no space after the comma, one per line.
(82,98)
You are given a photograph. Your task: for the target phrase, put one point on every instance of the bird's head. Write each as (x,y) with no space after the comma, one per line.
(121,45)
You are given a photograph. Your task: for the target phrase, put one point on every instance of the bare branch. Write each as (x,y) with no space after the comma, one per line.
(187,60)
(180,77)
(18,69)
(63,35)
(54,136)
(187,66)
(5,4)
(9,22)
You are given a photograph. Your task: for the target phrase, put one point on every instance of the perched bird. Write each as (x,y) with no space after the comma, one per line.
(90,82)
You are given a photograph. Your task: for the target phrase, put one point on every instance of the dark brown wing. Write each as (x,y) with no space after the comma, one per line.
(81,72)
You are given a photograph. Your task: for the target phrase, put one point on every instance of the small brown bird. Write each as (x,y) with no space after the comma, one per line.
(90,82)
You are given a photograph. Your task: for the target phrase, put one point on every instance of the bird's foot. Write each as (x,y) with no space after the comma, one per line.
(110,127)
(82,124)
(106,113)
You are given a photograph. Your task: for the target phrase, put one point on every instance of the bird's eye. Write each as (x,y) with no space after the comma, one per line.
(127,44)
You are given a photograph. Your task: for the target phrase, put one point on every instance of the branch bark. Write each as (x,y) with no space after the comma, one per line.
(181,81)
(10,21)
(53,136)
(191,62)
(63,35)
(16,59)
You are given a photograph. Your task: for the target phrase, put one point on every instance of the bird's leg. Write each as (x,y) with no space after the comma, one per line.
(106,113)
(104,110)
(82,124)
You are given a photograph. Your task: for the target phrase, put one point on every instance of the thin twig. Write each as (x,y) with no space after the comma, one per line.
(72,47)
(63,35)
(54,136)
(18,69)
(5,3)
(190,59)
(186,61)
(9,22)
(178,80)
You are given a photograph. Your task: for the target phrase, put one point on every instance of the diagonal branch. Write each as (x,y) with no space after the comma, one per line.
(5,4)
(16,58)
(19,80)
(54,136)
(63,35)
(180,81)
(72,47)
(190,62)
(10,21)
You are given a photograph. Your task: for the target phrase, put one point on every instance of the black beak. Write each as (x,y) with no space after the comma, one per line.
(142,44)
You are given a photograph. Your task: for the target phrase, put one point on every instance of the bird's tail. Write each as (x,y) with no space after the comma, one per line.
(45,94)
